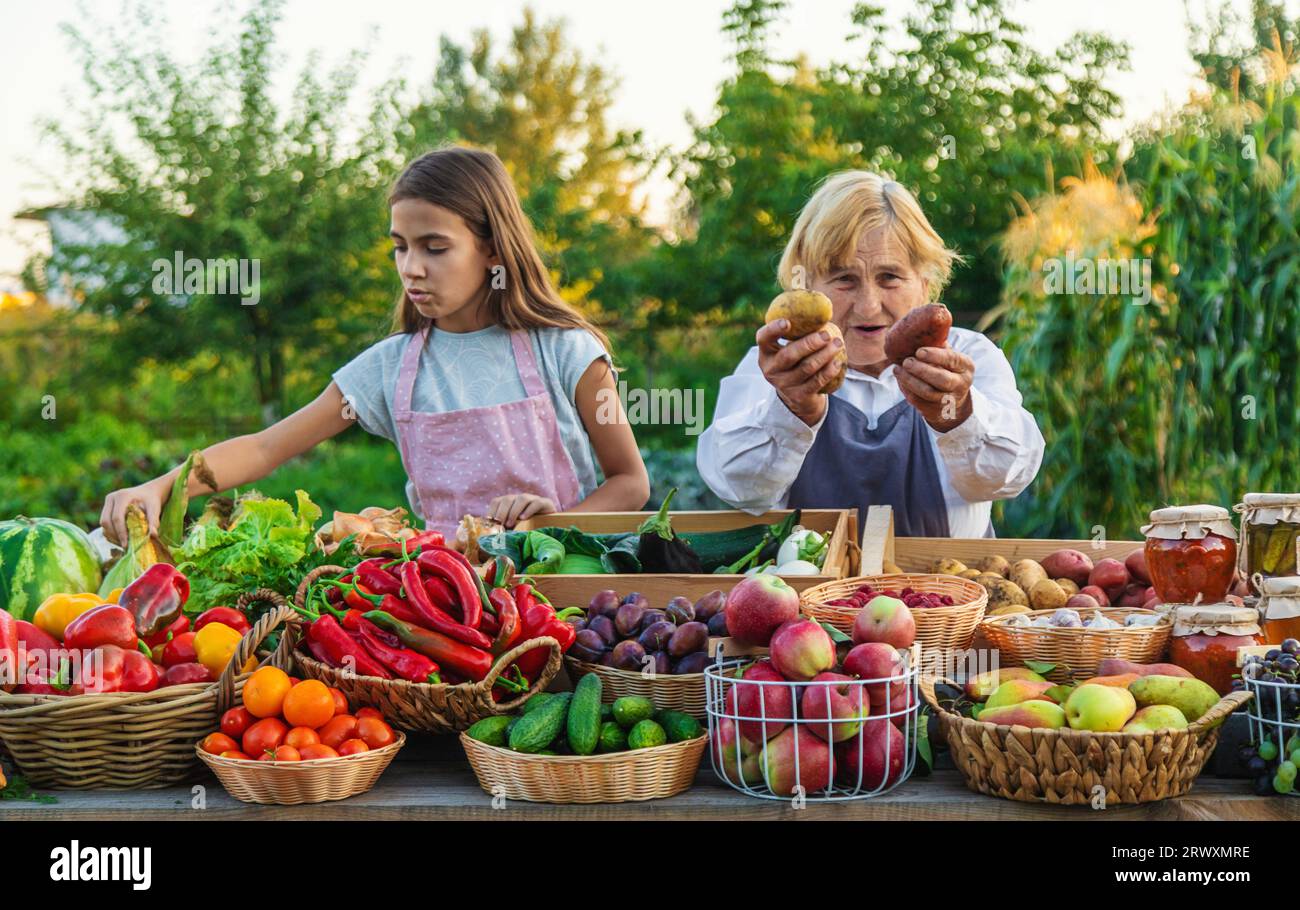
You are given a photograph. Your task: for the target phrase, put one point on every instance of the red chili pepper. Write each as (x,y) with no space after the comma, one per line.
(156,597)
(227,616)
(443,597)
(342,649)
(455,655)
(103,669)
(10,673)
(140,674)
(376,578)
(399,608)
(430,616)
(405,663)
(498,572)
(463,580)
(109,624)
(180,650)
(183,674)
(511,630)
(489,624)
(179,626)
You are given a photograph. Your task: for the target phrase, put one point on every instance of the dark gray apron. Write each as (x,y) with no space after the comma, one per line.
(852,466)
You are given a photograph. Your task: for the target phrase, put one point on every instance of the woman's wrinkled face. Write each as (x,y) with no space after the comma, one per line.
(871,292)
(444,267)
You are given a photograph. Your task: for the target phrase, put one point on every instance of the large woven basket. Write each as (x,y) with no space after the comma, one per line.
(944,628)
(668,692)
(125,740)
(292,783)
(1076,652)
(618,777)
(1079,767)
(418,707)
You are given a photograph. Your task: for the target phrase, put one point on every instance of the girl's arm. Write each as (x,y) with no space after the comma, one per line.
(237,461)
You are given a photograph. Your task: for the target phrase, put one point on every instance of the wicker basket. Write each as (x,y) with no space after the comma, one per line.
(125,740)
(417,707)
(619,777)
(668,692)
(291,783)
(945,628)
(1076,652)
(1075,767)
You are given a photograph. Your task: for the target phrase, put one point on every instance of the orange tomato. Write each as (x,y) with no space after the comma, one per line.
(353,746)
(340,701)
(281,753)
(319,750)
(266,734)
(369,712)
(309,704)
(216,743)
(301,736)
(374,732)
(234,753)
(235,721)
(337,729)
(265,691)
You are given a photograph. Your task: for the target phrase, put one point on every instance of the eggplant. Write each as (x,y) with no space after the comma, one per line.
(662,551)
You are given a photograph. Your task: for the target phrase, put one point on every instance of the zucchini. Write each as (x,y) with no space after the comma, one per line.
(584,715)
(535,731)
(722,548)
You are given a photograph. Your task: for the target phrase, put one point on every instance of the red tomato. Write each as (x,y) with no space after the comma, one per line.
(301,736)
(369,712)
(216,743)
(235,722)
(235,753)
(267,733)
(319,750)
(340,701)
(337,729)
(281,753)
(353,746)
(374,732)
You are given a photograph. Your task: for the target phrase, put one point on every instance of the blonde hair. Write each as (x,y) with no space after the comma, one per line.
(474,184)
(846,206)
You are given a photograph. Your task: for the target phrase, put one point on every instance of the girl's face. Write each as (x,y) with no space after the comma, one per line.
(443,266)
(871,292)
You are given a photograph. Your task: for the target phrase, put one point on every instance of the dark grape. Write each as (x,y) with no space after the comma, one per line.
(1291,646)
(1288,664)
(1257,765)
(1264,785)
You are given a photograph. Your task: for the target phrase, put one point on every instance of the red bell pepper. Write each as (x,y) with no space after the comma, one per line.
(342,651)
(51,681)
(140,674)
(11,674)
(446,651)
(184,674)
(103,669)
(470,593)
(511,629)
(227,616)
(180,650)
(180,626)
(109,624)
(155,598)
(38,649)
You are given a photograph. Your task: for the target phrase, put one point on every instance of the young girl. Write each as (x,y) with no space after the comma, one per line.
(490,385)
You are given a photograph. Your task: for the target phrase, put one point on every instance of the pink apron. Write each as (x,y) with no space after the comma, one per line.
(459,461)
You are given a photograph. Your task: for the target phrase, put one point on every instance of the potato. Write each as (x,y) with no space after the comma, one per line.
(1068,586)
(970,573)
(1047,595)
(987,579)
(1003,593)
(807,311)
(998,565)
(891,568)
(1111,576)
(947,566)
(1009,609)
(1069,564)
(1084,603)
(1027,573)
(840,361)
(924,327)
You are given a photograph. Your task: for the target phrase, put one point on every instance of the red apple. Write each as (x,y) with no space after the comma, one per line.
(734,757)
(757,606)
(898,705)
(801,649)
(797,746)
(885,619)
(878,751)
(875,660)
(771,706)
(834,697)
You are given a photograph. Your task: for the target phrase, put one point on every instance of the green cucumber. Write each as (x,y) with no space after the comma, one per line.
(584,715)
(536,702)
(491,730)
(679,726)
(535,731)
(630,709)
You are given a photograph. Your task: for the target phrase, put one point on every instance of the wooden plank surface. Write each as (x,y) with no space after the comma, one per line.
(430,780)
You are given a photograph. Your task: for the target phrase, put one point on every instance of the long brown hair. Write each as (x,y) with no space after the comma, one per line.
(474,184)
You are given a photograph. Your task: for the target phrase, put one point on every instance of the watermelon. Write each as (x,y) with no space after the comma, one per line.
(40,557)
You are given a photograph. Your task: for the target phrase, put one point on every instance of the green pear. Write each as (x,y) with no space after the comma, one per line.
(982,686)
(1014,691)
(1190,696)
(1156,717)
(1101,709)
(1043,714)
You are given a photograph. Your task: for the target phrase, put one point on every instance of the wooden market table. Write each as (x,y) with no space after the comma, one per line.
(431,780)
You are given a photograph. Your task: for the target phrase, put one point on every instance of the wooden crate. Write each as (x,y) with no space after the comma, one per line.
(577,590)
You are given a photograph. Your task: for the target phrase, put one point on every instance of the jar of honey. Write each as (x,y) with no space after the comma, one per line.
(1279,607)
(1206,638)
(1191,553)
(1270,534)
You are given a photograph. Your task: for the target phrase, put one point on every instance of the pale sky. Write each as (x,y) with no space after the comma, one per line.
(669,55)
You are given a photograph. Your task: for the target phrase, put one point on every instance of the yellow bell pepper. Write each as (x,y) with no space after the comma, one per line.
(114,594)
(215,645)
(57,610)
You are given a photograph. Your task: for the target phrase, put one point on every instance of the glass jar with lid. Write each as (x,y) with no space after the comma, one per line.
(1270,534)
(1279,607)
(1206,638)
(1191,553)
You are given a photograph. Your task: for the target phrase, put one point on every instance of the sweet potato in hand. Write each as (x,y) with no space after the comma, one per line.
(924,327)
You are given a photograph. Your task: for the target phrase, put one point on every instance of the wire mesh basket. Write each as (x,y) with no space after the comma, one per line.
(1273,712)
(822,740)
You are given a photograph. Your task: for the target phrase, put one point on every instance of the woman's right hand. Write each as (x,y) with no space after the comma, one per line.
(798,370)
(113,518)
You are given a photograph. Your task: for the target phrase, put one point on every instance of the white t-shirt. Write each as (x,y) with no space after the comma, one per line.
(460,370)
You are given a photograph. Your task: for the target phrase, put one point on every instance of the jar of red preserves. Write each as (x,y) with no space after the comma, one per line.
(1206,638)
(1191,553)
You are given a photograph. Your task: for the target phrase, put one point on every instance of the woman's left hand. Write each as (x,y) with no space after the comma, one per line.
(937,382)
(515,507)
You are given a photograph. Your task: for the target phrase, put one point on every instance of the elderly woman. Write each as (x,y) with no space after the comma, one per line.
(938,437)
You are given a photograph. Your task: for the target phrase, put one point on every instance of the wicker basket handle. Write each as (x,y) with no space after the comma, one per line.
(484,687)
(1216,715)
(249,644)
(927,684)
(300,596)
